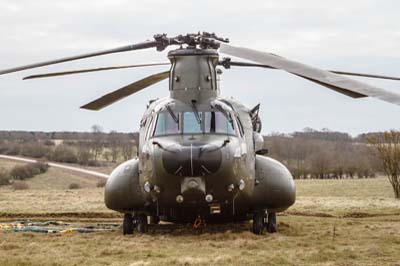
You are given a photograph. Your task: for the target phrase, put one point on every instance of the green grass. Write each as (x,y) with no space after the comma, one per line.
(346,197)
(364,188)
(8,165)
(305,236)
(301,241)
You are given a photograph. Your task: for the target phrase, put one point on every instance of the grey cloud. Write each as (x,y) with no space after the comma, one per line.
(358,35)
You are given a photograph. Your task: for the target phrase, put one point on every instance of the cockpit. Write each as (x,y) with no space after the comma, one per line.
(193,122)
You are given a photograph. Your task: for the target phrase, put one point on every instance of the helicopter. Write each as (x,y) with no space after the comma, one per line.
(201,156)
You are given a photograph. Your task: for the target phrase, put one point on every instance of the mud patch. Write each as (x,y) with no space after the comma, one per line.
(311,214)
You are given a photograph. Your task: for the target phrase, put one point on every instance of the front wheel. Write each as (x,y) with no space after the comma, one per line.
(271,223)
(258,223)
(154,219)
(142,226)
(127,225)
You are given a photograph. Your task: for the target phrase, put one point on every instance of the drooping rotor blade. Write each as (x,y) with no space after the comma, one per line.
(137,46)
(364,75)
(54,74)
(119,94)
(341,84)
(246,64)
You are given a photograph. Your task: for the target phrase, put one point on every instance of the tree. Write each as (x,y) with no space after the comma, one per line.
(114,141)
(97,141)
(84,154)
(320,162)
(127,149)
(387,145)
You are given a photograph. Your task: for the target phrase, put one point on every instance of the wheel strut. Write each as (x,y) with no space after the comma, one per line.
(271,223)
(142,225)
(127,225)
(258,222)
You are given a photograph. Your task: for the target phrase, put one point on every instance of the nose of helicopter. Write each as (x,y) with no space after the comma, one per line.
(192,159)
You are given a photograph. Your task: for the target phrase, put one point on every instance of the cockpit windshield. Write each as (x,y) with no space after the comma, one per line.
(188,123)
(166,125)
(191,124)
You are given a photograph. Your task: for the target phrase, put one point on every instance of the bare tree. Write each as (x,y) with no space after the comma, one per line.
(114,141)
(97,141)
(321,163)
(387,145)
(127,149)
(84,154)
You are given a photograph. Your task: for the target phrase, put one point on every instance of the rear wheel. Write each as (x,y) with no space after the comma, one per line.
(127,225)
(271,223)
(142,223)
(154,219)
(258,223)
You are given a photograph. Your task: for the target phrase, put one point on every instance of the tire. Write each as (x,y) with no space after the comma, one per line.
(154,219)
(271,223)
(142,223)
(127,225)
(258,223)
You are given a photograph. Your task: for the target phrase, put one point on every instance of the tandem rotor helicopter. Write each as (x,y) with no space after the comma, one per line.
(200,155)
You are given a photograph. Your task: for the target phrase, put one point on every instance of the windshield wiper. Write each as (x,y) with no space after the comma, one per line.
(196,113)
(174,117)
(224,112)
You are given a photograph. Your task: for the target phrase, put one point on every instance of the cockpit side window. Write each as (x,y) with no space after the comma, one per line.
(240,126)
(166,125)
(149,125)
(217,122)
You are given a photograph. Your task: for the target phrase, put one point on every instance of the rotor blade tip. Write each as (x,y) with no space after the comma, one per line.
(87,107)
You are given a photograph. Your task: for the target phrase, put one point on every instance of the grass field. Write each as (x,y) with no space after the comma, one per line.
(334,222)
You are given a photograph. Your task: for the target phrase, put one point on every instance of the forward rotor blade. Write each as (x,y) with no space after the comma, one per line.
(245,64)
(138,46)
(130,89)
(341,84)
(54,74)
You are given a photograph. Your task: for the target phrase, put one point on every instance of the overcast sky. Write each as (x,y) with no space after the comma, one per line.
(357,35)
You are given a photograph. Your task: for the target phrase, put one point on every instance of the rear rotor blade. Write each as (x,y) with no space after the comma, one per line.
(330,80)
(246,64)
(54,74)
(130,89)
(363,75)
(138,46)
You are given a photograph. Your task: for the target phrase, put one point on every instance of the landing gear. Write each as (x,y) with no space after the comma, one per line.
(141,221)
(154,219)
(258,222)
(127,225)
(271,223)
(130,222)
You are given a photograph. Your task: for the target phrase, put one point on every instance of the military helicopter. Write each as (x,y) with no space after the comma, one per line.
(201,156)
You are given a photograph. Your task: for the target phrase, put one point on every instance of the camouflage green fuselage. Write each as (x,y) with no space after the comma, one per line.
(197,154)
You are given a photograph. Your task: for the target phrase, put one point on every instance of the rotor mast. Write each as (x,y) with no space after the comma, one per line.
(193,74)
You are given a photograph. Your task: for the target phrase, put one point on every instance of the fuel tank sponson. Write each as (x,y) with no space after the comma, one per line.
(275,190)
(122,191)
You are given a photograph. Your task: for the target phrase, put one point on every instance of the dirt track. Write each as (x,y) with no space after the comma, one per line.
(57,165)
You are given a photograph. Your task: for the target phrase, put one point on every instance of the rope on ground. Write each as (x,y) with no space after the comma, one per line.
(42,227)
(199,222)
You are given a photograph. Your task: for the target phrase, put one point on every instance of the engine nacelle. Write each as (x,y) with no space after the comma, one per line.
(275,189)
(123,192)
